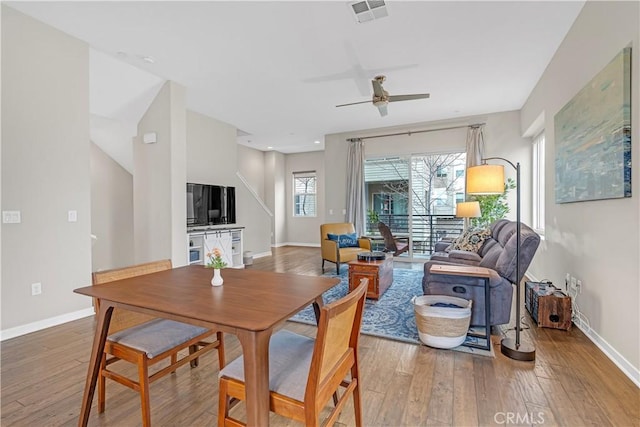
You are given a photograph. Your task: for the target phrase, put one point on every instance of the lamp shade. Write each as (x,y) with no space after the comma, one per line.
(485,179)
(468,210)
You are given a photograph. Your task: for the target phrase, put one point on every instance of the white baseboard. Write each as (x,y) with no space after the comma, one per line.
(45,323)
(262,254)
(627,368)
(309,245)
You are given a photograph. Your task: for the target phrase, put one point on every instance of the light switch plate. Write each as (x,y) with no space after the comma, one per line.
(72,216)
(11,217)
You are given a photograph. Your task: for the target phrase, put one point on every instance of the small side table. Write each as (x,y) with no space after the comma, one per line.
(471,271)
(379,273)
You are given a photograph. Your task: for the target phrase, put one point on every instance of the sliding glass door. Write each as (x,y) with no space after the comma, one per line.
(416,197)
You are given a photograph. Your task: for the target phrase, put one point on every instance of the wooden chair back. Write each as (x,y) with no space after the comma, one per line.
(389,241)
(124,319)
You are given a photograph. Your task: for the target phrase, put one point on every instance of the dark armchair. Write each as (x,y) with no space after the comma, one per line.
(396,245)
(498,254)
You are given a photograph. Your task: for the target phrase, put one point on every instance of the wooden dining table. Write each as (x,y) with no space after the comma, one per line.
(251,304)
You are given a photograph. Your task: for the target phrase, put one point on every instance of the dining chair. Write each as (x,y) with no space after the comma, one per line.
(396,245)
(305,373)
(144,341)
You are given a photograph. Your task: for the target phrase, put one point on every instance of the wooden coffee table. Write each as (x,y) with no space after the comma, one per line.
(379,273)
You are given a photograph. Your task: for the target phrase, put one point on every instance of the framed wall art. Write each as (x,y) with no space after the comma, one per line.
(593,137)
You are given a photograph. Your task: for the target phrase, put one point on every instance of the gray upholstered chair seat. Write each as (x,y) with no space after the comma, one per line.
(157,336)
(289,363)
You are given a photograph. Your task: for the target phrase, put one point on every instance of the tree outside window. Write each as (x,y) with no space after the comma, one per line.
(304,194)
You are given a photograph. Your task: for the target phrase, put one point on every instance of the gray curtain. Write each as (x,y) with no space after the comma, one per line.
(355,186)
(475,145)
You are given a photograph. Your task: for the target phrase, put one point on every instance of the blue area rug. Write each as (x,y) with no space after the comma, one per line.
(392,315)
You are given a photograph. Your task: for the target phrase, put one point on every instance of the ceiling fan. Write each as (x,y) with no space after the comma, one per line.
(381,97)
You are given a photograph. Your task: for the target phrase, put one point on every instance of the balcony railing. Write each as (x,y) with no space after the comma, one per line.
(424,232)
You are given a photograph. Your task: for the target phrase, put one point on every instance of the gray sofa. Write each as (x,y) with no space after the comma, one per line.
(498,253)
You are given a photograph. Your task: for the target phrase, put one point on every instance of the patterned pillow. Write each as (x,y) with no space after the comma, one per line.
(345,240)
(471,240)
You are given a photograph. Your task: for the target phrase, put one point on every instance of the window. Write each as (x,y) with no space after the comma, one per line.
(304,193)
(538,183)
(441,172)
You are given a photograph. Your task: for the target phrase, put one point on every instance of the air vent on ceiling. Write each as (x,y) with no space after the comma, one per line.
(369,10)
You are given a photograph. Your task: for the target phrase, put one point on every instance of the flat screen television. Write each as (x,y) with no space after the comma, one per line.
(210,205)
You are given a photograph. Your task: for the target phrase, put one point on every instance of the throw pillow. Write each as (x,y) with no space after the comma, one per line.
(345,240)
(471,240)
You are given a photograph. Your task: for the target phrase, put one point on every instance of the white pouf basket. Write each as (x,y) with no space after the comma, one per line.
(442,327)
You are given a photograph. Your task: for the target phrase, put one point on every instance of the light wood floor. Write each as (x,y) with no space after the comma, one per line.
(571,382)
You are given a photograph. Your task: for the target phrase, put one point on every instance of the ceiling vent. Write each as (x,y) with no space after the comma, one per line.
(369,10)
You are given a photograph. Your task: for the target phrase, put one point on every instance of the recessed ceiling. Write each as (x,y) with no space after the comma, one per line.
(276,70)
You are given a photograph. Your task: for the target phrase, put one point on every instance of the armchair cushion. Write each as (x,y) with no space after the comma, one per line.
(349,240)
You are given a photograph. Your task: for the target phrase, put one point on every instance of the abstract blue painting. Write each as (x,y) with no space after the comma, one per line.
(593,137)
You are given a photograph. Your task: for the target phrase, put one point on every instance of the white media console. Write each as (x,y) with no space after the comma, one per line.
(228,239)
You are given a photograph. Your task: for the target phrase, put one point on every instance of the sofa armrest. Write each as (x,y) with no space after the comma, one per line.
(441,246)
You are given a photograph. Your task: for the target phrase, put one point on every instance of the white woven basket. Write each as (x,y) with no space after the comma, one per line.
(442,327)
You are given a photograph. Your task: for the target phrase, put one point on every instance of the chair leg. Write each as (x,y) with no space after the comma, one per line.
(337,268)
(223,403)
(195,362)
(174,359)
(357,403)
(143,380)
(323,265)
(102,384)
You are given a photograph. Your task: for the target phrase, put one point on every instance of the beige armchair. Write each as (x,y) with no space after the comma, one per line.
(331,250)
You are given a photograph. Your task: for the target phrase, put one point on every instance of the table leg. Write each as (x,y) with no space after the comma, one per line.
(255,351)
(317,305)
(102,328)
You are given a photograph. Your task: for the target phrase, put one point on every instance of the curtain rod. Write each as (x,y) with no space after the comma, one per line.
(409,133)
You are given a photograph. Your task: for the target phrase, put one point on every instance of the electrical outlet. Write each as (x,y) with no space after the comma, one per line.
(573,283)
(36,288)
(579,285)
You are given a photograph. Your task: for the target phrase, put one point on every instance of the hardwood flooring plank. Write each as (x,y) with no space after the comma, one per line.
(465,406)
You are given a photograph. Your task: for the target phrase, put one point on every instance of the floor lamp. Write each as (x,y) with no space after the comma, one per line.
(489,179)
(467,210)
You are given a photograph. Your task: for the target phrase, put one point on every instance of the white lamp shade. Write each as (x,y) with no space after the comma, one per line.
(485,179)
(468,210)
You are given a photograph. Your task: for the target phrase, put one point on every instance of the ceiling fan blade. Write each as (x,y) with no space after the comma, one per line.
(354,103)
(394,98)
(377,88)
(382,109)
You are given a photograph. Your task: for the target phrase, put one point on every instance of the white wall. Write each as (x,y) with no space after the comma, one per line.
(502,139)
(111,212)
(275,195)
(211,151)
(45,170)
(596,241)
(305,230)
(159,180)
